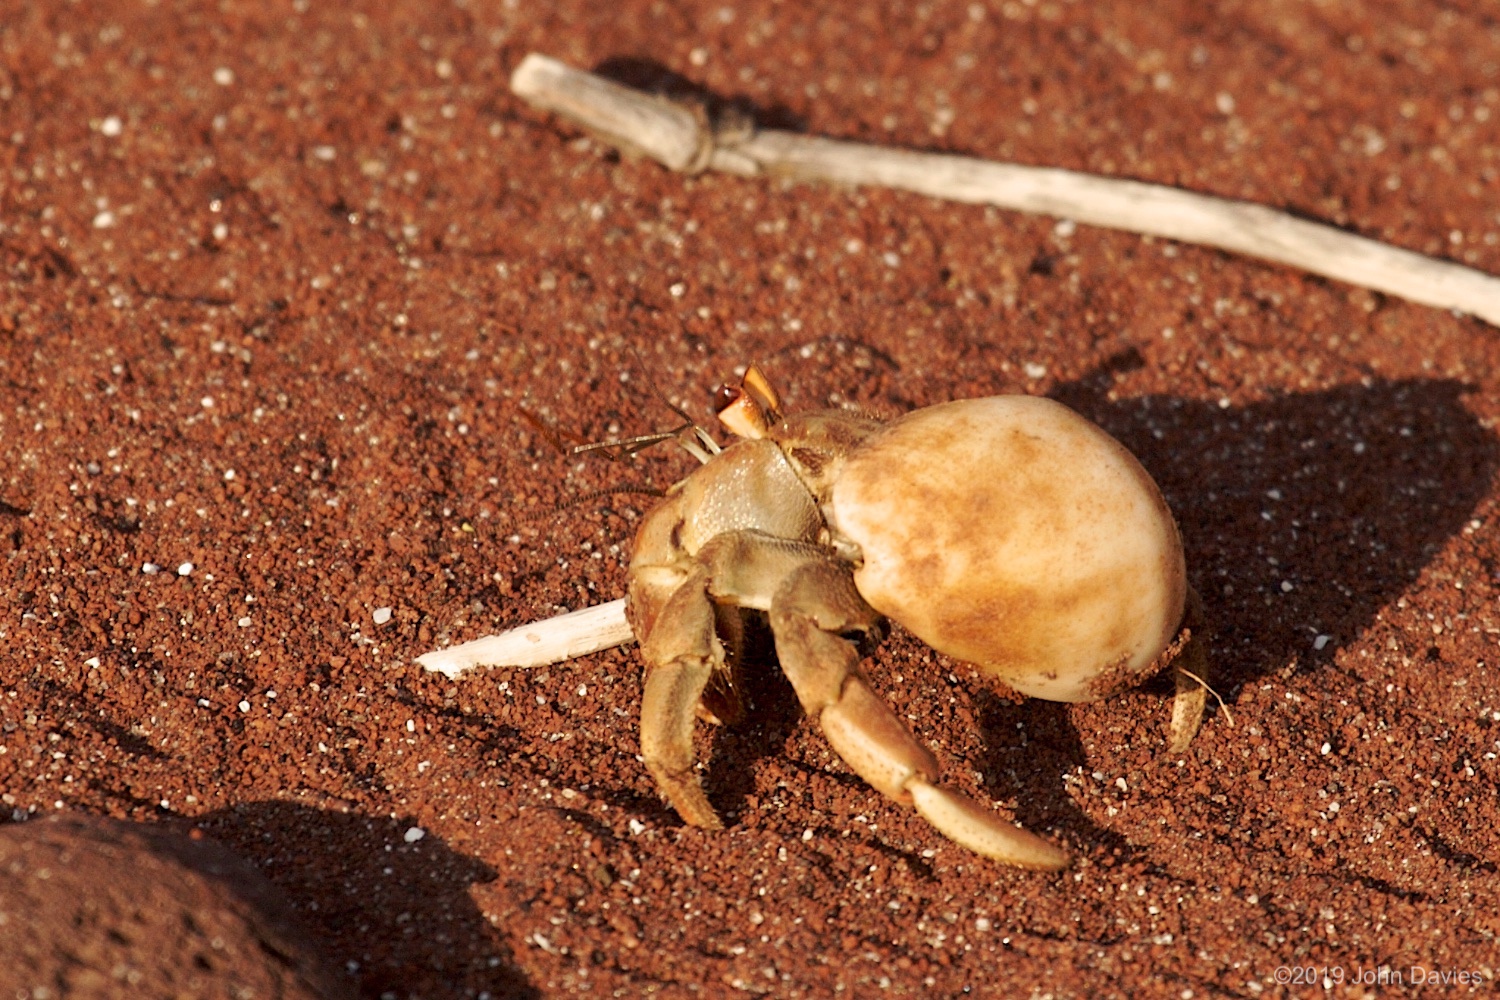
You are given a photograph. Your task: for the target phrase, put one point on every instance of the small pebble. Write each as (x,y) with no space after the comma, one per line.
(381,615)
(150,568)
(186,569)
(414,834)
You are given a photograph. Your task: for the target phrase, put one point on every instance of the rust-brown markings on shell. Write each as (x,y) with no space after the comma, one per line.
(1022,627)
(983,529)
(1116,676)
(927,518)
(1119,676)
(936,510)
(913,503)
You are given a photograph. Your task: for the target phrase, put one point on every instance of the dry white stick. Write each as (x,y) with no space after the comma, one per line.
(682,140)
(551,640)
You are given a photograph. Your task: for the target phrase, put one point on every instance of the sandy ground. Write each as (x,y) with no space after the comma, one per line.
(276,279)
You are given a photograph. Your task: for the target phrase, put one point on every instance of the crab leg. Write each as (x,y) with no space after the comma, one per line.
(818,618)
(682,653)
(812,616)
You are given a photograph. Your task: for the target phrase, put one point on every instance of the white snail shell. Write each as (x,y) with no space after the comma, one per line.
(1017,535)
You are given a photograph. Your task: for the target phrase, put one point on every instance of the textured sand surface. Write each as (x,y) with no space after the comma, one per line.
(275,278)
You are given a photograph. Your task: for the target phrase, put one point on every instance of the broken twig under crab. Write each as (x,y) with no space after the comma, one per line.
(551,640)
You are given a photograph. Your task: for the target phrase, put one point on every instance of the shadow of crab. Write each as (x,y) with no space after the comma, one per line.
(400,911)
(1302,515)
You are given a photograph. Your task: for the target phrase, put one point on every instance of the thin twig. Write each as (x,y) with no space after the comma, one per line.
(1222,707)
(682,140)
(551,640)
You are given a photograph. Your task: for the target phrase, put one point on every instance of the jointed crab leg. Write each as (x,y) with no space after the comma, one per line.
(817,618)
(681,656)
(1190,670)
(812,616)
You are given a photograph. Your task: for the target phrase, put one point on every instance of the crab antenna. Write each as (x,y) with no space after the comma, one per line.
(695,441)
(582,498)
(627,446)
(613,449)
(656,390)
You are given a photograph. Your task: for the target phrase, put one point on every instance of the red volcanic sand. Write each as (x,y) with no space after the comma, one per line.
(96,907)
(277,279)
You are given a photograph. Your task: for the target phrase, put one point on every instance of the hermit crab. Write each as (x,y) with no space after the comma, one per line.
(1008,531)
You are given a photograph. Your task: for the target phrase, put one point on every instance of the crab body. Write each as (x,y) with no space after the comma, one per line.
(1008,531)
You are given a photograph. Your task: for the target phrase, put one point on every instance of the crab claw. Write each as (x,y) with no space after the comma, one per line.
(816,616)
(865,732)
(966,823)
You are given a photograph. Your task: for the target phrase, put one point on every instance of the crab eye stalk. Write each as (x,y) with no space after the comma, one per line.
(725,396)
(755,383)
(741,414)
(749,409)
